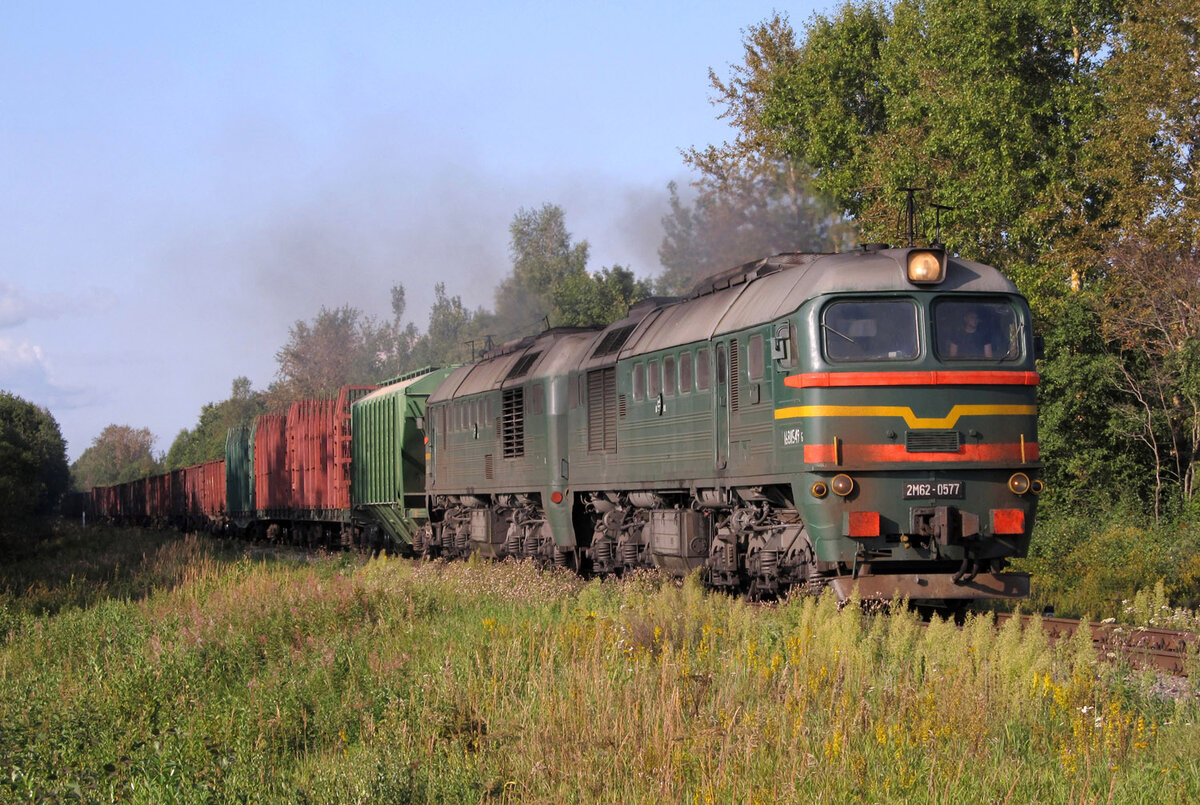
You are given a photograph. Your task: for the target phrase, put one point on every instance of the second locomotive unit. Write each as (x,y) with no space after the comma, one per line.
(859,420)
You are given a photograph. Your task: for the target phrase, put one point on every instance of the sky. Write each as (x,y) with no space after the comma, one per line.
(181,183)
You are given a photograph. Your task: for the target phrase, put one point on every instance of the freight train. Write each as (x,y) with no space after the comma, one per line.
(863,421)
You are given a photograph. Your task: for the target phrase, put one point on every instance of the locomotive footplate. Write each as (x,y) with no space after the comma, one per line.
(933,585)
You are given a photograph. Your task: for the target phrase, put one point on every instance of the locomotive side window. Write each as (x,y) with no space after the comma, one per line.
(685,372)
(703,369)
(870,330)
(655,379)
(975,330)
(639,381)
(669,375)
(755,359)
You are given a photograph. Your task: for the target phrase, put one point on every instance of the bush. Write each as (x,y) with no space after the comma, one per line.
(33,459)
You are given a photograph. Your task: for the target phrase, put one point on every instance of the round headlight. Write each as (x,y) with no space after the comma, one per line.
(842,485)
(924,266)
(1018,484)
(820,489)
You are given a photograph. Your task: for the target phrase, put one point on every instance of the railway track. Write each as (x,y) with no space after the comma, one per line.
(1162,649)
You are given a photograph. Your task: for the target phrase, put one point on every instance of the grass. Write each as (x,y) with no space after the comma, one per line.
(168,669)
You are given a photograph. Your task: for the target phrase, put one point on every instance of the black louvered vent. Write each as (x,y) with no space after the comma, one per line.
(735,391)
(613,340)
(622,406)
(521,367)
(489,467)
(602,410)
(512,422)
(931,441)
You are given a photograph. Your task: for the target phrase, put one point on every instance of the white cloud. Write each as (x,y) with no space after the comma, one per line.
(24,371)
(16,358)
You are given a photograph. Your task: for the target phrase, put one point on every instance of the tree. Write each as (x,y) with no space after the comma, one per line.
(1143,152)
(754,199)
(405,336)
(543,257)
(452,327)
(33,459)
(596,300)
(744,214)
(339,347)
(206,442)
(987,106)
(1152,317)
(1082,438)
(119,454)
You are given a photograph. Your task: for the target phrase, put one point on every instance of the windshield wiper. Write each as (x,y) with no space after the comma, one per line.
(835,332)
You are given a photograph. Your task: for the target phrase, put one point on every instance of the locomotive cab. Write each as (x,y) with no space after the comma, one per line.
(912,416)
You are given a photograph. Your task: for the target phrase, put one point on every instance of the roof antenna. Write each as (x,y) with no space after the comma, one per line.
(937,227)
(910,214)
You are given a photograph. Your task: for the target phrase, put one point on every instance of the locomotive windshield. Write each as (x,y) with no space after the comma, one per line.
(871,330)
(975,330)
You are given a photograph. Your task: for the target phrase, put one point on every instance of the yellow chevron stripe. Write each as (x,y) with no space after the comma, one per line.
(911,419)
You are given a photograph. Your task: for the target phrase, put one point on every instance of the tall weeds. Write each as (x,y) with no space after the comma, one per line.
(345,680)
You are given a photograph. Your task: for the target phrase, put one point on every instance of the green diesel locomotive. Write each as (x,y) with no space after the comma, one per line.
(865,419)
(862,421)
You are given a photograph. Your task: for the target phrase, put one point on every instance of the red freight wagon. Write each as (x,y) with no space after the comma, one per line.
(205,492)
(192,481)
(178,496)
(158,498)
(105,501)
(310,454)
(341,442)
(272,483)
(212,489)
(133,503)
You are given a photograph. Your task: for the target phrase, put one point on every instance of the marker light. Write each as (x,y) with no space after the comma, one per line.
(926,266)
(1036,486)
(1008,521)
(863,524)
(556,497)
(842,485)
(820,489)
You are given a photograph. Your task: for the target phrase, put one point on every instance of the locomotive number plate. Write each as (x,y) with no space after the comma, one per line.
(932,489)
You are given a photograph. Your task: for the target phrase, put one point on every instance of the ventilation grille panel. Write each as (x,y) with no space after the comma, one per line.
(735,391)
(512,422)
(602,410)
(931,441)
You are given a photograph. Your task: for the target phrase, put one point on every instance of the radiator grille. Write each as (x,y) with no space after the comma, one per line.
(602,410)
(931,441)
(512,422)
(734,386)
